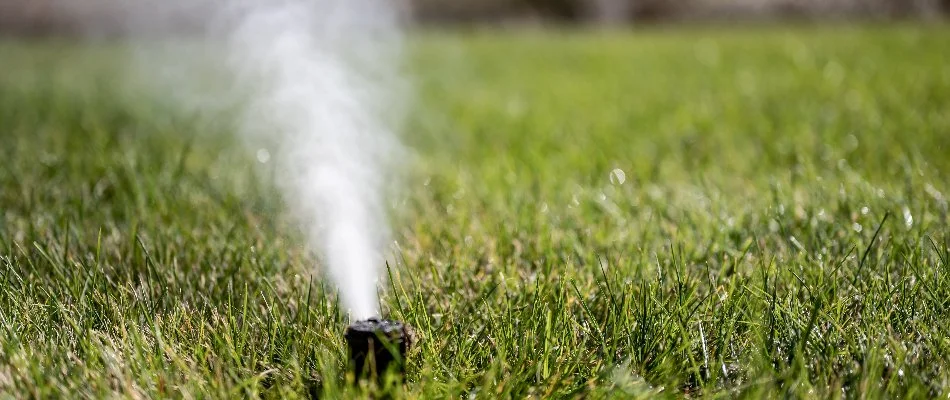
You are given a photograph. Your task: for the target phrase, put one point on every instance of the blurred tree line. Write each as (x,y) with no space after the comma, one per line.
(632,11)
(105,17)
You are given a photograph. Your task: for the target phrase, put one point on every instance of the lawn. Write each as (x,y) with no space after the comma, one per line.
(668,212)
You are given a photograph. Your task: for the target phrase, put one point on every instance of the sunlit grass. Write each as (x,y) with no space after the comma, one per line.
(780,225)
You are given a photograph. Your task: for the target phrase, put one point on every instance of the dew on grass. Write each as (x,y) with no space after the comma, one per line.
(842,164)
(851,143)
(617,176)
(908,218)
(796,243)
(934,193)
(857,227)
(865,210)
(263,156)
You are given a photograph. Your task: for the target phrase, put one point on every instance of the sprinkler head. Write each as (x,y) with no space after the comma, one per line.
(377,345)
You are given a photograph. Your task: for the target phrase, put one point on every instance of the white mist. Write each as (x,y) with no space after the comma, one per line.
(322,72)
(323,85)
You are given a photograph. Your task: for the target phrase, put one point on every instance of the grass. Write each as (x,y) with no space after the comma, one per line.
(781,228)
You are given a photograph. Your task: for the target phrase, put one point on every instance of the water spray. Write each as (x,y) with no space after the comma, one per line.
(320,90)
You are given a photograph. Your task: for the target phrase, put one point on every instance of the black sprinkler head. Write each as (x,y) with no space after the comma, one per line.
(377,345)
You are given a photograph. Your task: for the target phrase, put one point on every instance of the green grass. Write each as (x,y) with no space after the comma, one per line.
(782,228)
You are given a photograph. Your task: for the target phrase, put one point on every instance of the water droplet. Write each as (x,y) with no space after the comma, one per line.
(544,208)
(842,164)
(865,210)
(934,193)
(857,227)
(263,156)
(796,243)
(908,218)
(602,196)
(617,176)
(851,143)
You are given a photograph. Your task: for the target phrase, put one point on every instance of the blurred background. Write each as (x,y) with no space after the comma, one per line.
(106,17)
